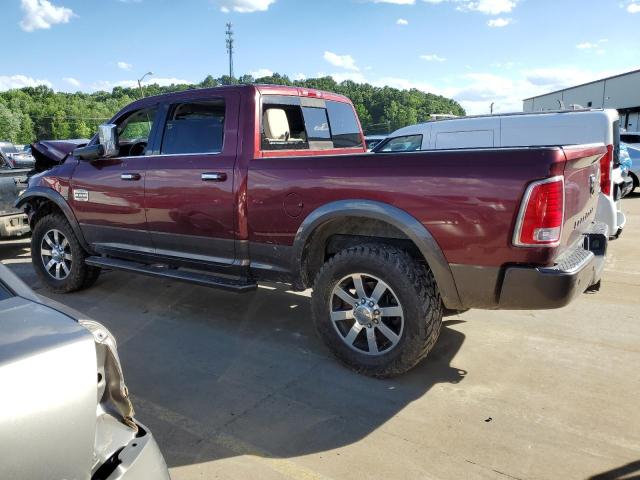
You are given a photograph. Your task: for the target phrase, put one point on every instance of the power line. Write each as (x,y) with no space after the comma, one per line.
(229,34)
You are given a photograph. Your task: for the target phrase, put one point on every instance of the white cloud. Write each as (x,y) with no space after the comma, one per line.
(432,58)
(299,76)
(124,66)
(8,82)
(596,47)
(402,21)
(499,22)
(633,7)
(41,14)
(489,7)
(343,61)
(72,81)
(261,72)
(244,6)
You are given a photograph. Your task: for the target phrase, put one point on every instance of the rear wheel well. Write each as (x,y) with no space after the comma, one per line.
(636,182)
(339,234)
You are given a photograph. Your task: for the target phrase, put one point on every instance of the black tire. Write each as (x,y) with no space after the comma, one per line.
(417,294)
(636,183)
(80,274)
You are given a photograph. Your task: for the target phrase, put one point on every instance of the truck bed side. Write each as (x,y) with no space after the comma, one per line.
(467,199)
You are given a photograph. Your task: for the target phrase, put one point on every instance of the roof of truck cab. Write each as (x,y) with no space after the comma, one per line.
(263,89)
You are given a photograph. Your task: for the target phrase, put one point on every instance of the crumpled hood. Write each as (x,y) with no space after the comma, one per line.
(49,153)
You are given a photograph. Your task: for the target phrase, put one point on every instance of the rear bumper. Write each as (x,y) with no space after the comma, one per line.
(535,288)
(140,459)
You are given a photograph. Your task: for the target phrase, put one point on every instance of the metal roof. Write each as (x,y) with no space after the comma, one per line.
(584,84)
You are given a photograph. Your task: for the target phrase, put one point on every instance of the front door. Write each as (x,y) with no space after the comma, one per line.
(189,185)
(107,194)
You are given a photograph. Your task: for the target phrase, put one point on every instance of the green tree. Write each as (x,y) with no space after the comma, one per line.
(60,126)
(9,124)
(38,112)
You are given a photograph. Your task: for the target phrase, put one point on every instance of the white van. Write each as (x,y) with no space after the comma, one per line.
(572,127)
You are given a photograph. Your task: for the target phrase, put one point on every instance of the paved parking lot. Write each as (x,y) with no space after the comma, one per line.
(240,387)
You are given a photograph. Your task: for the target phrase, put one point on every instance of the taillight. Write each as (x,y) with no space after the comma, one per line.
(605,171)
(541,214)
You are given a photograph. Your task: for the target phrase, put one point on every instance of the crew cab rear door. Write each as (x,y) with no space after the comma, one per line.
(108,193)
(190,180)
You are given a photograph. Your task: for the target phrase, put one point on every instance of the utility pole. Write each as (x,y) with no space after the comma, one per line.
(229,34)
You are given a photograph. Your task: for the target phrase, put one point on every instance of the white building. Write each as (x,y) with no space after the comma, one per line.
(621,92)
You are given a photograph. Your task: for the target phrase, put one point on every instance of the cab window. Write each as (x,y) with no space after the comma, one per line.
(406,143)
(137,126)
(134,131)
(194,127)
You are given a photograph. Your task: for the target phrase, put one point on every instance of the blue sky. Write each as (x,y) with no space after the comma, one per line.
(476,51)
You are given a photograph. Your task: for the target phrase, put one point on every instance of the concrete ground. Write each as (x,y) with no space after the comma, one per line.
(240,386)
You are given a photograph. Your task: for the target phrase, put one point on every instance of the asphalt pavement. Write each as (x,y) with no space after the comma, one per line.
(239,386)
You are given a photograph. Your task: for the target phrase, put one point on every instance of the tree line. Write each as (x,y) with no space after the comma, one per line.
(36,113)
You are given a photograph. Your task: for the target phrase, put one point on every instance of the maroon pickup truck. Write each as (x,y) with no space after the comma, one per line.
(231,186)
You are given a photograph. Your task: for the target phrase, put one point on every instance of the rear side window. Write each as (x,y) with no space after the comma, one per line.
(300,123)
(316,123)
(407,143)
(195,127)
(345,131)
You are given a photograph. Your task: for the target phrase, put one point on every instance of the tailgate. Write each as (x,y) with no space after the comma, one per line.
(582,186)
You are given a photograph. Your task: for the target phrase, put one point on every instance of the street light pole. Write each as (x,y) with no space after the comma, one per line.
(140,80)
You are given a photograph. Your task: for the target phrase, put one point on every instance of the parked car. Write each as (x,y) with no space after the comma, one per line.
(11,157)
(572,127)
(372,140)
(65,409)
(633,152)
(231,186)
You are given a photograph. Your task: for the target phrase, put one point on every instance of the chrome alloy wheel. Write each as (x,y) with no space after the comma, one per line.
(55,252)
(366,314)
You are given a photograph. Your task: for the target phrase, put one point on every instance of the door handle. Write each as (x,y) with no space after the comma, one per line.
(214,177)
(131,177)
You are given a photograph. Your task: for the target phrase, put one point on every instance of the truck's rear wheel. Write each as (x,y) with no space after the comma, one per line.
(58,257)
(377,309)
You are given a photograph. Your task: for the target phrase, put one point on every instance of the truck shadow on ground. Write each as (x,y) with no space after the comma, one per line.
(630,471)
(215,374)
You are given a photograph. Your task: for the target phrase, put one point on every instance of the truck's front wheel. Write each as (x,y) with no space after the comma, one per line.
(377,309)
(58,257)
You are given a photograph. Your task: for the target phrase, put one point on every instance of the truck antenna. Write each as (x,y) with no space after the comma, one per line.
(229,34)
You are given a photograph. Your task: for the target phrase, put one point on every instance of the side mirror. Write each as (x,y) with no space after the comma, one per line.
(107,145)
(90,152)
(108,137)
